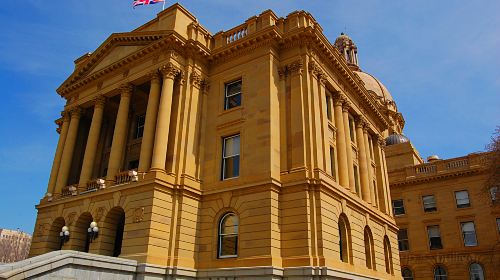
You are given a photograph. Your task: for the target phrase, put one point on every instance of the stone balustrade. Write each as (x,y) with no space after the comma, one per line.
(446,166)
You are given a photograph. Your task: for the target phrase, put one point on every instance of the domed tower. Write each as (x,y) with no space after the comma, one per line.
(347,47)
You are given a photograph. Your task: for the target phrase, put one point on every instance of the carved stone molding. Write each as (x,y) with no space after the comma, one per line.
(346,105)
(169,71)
(283,73)
(380,141)
(204,86)
(139,215)
(338,98)
(316,70)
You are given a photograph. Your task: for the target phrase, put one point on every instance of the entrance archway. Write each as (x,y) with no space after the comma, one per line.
(53,238)
(112,232)
(79,238)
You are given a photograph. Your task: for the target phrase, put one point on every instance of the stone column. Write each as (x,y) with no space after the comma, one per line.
(369,166)
(92,141)
(120,133)
(148,137)
(386,189)
(341,144)
(383,205)
(169,72)
(59,153)
(348,140)
(69,148)
(283,113)
(362,160)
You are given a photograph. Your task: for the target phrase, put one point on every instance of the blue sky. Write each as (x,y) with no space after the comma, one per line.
(439,59)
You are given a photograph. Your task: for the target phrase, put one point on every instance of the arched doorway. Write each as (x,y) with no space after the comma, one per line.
(112,232)
(53,238)
(79,238)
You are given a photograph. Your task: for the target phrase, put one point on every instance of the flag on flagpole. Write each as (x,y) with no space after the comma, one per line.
(146,2)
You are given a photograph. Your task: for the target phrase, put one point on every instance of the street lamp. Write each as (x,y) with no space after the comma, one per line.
(93,231)
(63,236)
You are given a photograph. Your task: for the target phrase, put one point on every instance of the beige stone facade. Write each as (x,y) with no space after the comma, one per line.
(449,223)
(257,148)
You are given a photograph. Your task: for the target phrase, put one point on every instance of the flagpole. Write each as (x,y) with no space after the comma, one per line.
(163,5)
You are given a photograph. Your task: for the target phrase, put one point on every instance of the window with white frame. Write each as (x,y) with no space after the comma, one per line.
(231,157)
(398,207)
(429,203)
(403,243)
(434,237)
(440,273)
(494,193)
(232,94)
(407,274)
(476,272)
(469,234)
(228,236)
(139,126)
(462,199)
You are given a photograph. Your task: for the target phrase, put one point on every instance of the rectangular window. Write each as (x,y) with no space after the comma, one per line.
(352,131)
(232,95)
(332,163)
(139,126)
(429,203)
(398,207)
(375,193)
(434,237)
(494,192)
(498,224)
(356,179)
(230,157)
(462,199)
(403,243)
(370,144)
(329,107)
(469,234)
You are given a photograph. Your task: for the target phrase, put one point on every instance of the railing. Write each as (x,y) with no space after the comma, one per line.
(96,184)
(236,33)
(126,177)
(447,166)
(69,190)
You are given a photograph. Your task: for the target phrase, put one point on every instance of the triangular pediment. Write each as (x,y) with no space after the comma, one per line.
(114,51)
(117,53)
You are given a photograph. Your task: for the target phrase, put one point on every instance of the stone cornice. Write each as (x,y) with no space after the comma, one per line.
(437,177)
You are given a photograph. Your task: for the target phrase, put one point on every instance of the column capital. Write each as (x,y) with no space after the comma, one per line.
(205,86)
(346,105)
(154,76)
(322,79)
(99,101)
(181,77)
(76,112)
(126,89)
(195,79)
(66,115)
(360,121)
(296,67)
(283,73)
(338,98)
(380,140)
(169,71)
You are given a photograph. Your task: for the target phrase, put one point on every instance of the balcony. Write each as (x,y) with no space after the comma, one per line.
(442,167)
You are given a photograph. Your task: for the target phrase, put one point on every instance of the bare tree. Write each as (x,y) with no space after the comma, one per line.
(493,181)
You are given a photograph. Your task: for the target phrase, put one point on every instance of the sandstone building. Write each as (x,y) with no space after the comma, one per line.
(14,245)
(449,223)
(255,152)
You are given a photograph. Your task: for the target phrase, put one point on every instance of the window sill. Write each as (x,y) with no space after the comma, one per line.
(228,111)
(228,257)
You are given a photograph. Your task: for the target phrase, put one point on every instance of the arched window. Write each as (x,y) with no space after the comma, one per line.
(228,236)
(369,250)
(344,239)
(476,272)
(407,274)
(112,232)
(440,273)
(388,256)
